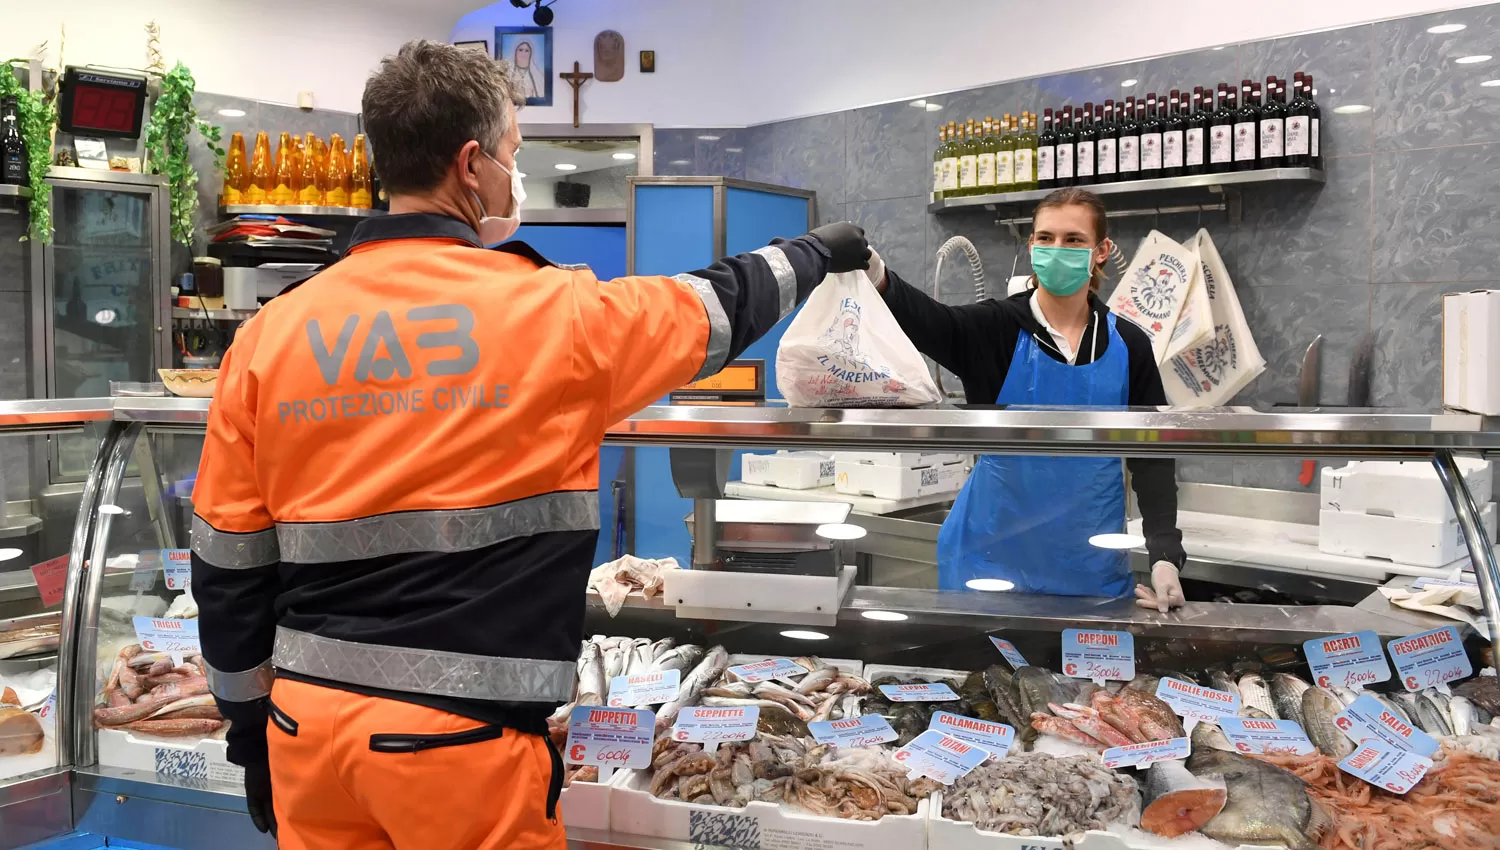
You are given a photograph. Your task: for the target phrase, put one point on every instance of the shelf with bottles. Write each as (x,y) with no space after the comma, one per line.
(307,177)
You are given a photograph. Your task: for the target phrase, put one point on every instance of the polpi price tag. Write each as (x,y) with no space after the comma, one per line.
(1254,736)
(177,567)
(51,578)
(177,638)
(652,688)
(1366,719)
(1393,769)
(995,737)
(929,692)
(764,671)
(942,757)
(610,738)
(853,732)
(1100,656)
(1141,756)
(1011,654)
(1430,659)
(1196,702)
(712,725)
(1347,661)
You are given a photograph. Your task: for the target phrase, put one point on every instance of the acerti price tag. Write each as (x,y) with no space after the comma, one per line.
(1099,656)
(1367,720)
(1196,702)
(178,638)
(1266,737)
(995,737)
(1348,661)
(177,567)
(644,688)
(929,692)
(1393,769)
(938,756)
(712,725)
(764,671)
(1431,659)
(1141,756)
(853,732)
(610,738)
(51,580)
(1011,654)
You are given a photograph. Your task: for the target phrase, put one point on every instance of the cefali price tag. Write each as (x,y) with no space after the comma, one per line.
(1253,736)
(1393,769)
(995,737)
(930,692)
(709,726)
(1142,756)
(1366,719)
(177,567)
(177,638)
(1196,702)
(853,732)
(610,738)
(652,688)
(1431,659)
(1350,660)
(51,579)
(764,671)
(1098,656)
(941,757)
(1011,654)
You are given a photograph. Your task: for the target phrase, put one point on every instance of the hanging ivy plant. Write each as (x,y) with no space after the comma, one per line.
(173,117)
(36,116)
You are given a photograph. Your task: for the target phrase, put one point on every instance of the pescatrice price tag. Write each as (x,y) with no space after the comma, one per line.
(1099,656)
(652,688)
(51,578)
(1011,654)
(1141,756)
(941,757)
(1348,661)
(610,738)
(1196,702)
(1393,769)
(177,567)
(764,671)
(1431,659)
(712,725)
(929,692)
(853,732)
(995,737)
(1253,736)
(1366,719)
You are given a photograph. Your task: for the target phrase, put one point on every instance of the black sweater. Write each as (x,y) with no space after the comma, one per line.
(976,341)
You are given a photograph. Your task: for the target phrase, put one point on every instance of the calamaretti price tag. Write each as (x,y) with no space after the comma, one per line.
(610,738)
(1253,736)
(177,568)
(1350,660)
(1431,659)
(941,757)
(1393,769)
(1098,656)
(995,737)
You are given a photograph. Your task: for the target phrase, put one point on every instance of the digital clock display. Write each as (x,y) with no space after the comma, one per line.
(98,103)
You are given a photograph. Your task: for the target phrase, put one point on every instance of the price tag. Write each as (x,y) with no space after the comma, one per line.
(1431,658)
(610,738)
(941,757)
(48,712)
(1421,583)
(1266,737)
(1099,656)
(1013,655)
(712,725)
(1141,756)
(1196,702)
(997,738)
(1347,661)
(765,671)
(177,566)
(178,638)
(929,692)
(1393,769)
(644,688)
(853,731)
(51,578)
(1366,719)
(143,578)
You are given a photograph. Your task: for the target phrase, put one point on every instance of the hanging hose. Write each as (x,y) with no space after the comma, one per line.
(976,268)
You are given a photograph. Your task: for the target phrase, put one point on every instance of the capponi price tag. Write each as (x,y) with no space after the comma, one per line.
(764,671)
(1393,769)
(942,757)
(853,732)
(177,638)
(929,692)
(1366,719)
(652,688)
(1431,659)
(1144,755)
(1196,702)
(1096,655)
(995,737)
(610,738)
(712,725)
(1011,654)
(1254,736)
(177,567)
(1348,661)
(51,578)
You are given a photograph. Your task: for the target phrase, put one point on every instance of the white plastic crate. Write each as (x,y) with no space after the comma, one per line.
(789,470)
(1419,542)
(907,459)
(585,805)
(1409,489)
(172,758)
(898,482)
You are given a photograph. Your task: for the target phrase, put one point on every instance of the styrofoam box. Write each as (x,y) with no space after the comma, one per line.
(1471,347)
(964,835)
(926,674)
(789,470)
(909,460)
(1401,488)
(1136,839)
(585,805)
(851,666)
(174,758)
(897,482)
(1418,542)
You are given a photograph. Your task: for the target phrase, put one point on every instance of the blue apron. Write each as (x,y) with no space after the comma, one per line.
(1029,519)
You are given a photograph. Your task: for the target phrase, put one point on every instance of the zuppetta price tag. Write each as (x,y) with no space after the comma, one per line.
(610,738)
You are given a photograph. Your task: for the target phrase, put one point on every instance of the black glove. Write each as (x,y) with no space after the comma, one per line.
(847,248)
(258,797)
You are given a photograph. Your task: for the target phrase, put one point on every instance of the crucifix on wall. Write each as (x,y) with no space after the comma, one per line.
(576,79)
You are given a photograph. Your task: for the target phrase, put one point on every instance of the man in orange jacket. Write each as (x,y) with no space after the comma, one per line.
(396,508)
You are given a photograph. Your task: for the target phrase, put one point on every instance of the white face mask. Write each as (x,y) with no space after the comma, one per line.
(494,229)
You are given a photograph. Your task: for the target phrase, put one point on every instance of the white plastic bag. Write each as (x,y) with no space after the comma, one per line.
(1210,374)
(1195,325)
(845,349)
(1154,289)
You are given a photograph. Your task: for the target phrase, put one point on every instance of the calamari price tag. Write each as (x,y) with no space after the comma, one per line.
(1147,754)
(995,737)
(1195,701)
(644,688)
(764,671)
(1013,655)
(1430,659)
(178,638)
(177,566)
(610,737)
(853,732)
(942,757)
(1366,719)
(1347,661)
(1100,656)
(929,692)
(51,578)
(1253,736)
(711,725)
(1396,770)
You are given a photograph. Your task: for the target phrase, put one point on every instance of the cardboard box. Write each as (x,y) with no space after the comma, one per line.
(1418,542)
(898,482)
(1471,349)
(1408,489)
(789,470)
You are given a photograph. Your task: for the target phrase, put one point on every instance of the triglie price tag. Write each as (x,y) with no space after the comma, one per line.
(178,638)
(51,579)
(1347,661)
(1431,659)
(1100,656)
(995,737)
(929,692)
(1393,769)
(1141,756)
(644,688)
(610,738)
(942,757)
(764,671)
(1013,655)
(1366,719)
(853,731)
(1253,736)
(177,566)
(712,725)
(1196,702)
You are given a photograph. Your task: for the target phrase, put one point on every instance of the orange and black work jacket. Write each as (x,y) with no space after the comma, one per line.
(398,490)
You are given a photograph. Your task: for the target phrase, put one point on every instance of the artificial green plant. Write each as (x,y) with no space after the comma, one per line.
(173,117)
(36,115)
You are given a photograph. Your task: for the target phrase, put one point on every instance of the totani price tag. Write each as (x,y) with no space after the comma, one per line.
(765,671)
(178,638)
(1366,719)
(177,566)
(1013,655)
(1100,656)
(1266,737)
(942,757)
(1347,661)
(610,738)
(1144,755)
(712,725)
(644,688)
(995,737)
(853,732)
(930,692)
(1431,659)
(1199,703)
(1393,769)
(51,579)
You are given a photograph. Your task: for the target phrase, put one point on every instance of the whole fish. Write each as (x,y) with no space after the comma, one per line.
(1143,682)
(1254,693)
(661,647)
(1483,691)
(1286,695)
(1390,705)
(185,703)
(679,658)
(1180,676)
(1177,802)
(593,687)
(1209,735)
(1408,704)
(1430,715)
(117,716)
(1118,715)
(616,659)
(1220,680)
(640,657)
(1157,720)
(1461,711)
(174,727)
(1319,706)
(817,680)
(691,688)
(997,680)
(1092,724)
(1346,696)
(1035,687)
(1048,724)
(1265,805)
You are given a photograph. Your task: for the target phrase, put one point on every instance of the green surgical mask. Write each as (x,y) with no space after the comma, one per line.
(1062,271)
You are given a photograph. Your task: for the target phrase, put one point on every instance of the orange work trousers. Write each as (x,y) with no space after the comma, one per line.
(344,775)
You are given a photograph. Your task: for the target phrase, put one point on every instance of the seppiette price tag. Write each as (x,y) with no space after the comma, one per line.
(712,725)
(1366,719)
(1347,661)
(764,671)
(177,638)
(1196,702)
(1393,769)
(941,757)
(1011,654)
(1141,756)
(1430,659)
(610,738)
(1253,736)
(177,567)
(1096,655)
(644,688)
(51,578)
(853,732)
(995,737)
(929,692)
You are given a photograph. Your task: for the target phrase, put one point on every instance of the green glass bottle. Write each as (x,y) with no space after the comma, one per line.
(950,163)
(988,144)
(937,164)
(1026,145)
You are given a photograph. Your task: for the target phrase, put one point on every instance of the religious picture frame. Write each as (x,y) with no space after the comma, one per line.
(648,61)
(480,46)
(529,52)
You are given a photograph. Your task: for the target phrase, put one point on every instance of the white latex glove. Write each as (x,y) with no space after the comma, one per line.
(877,269)
(1165,591)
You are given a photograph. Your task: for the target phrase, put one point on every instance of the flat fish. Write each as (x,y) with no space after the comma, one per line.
(1286,695)
(1177,802)
(1254,693)
(1319,706)
(1265,805)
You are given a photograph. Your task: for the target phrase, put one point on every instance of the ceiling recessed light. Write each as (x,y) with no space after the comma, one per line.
(1443,29)
(1117,541)
(1351,109)
(840,531)
(681,162)
(12,554)
(919,103)
(886,616)
(624,155)
(1220,47)
(232,113)
(1473,60)
(801,634)
(989,584)
(113,510)
(1489,84)
(734,150)
(1332,91)
(565,166)
(933,107)
(1125,84)
(708,138)
(105,316)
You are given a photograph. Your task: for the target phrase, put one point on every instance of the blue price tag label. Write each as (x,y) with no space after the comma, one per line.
(1253,736)
(711,725)
(1367,720)
(178,638)
(177,566)
(764,671)
(1100,656)
(1195,701)
(1011,654)
(941,757)
(929,692)
(853,732)
(610,737)
(1396,770)
(1423,583)
(1350,660)
(1430,659)
(644,688)
(995,737)
(1149,753)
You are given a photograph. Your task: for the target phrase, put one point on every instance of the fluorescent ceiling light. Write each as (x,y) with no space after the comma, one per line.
(232,113)
(919,103)
(12,554)
(887,616)
(708,138)
(1444,29)
(734,150)
(565,166)
(840,531)
(105,316)
(1117,541)
(1489,84)
(1473,60)
(1352,109)
(989,584)
(113,510)
(800,634)
(1125,84)
(681,162)
(624,155)
(933,107)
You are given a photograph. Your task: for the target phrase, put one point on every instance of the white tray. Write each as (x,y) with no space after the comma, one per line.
(173,758)
(585,805)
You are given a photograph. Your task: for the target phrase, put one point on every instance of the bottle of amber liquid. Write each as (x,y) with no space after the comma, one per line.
(336,178)
(285,191)
(360,194)
(312,177)
(262,172)
(236,171)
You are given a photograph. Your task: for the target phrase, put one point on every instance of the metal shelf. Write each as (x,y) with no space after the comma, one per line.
(212,315)
(8,190)
(1212,182)
(318,212)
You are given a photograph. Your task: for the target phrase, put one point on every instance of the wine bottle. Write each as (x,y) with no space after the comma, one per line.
(1173,136)
(1195,154)
(15,161)
(1026,146)
(1088,135)
(937,164)
(1067,137)
(1046,148)
(1298,127)
(1107,146)
(1151,140)
(1272,126)
(1246,121)
(1129,145)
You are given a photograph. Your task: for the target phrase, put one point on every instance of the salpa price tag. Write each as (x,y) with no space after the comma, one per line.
(1430,659)
(610,737)
(853,732)
(1013,655)
(764,671)
(51,578)
(1195,701)
(712,725)
(995,737)
(1252,735)
(1147,754)
(1396,770)
(1096,655)
(928,692)
(177,567)
(1366,719)
(178,638)
(938,756)
(644,688)
(1347,661)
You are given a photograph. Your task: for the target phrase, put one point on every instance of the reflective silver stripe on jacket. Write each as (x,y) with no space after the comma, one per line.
(244,686)
(718,325)
(437,531)
(234,550)
(786,276)
(426,671)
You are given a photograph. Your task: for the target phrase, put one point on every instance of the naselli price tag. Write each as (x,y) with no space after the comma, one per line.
(1096,655)
(765,671)
(1393,769)
(1253,736)
(1149,753)
(177,566)
(1347,661)
(995,737)
(1199,703)
(1009,651)
(644,688)
(853,732)
(610,737)
(1430,658)
(930,692)
(942,757)
(1366,719)
(711,725)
